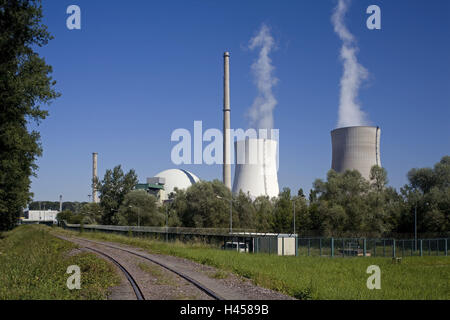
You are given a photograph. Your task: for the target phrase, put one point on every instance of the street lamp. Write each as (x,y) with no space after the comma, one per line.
(293,201)
(415,227)
(167,218)
(231,211)
(138,223)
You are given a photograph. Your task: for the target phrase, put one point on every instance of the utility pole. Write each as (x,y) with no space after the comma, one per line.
(231,215)
(166,202)
(294,216)
(231,211)
(415,227)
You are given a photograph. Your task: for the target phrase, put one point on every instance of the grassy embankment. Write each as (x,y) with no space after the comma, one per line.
(33,265)
(313,277)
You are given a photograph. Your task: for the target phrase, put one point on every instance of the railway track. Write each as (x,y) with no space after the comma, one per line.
(133,283)
(194,282)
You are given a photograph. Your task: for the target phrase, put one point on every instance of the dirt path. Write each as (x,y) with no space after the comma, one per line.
(157,283)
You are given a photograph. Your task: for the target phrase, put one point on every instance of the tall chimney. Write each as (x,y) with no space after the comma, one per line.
(226,121)
(94,175)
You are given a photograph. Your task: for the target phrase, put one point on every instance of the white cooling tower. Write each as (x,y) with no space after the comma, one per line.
(356,148)
(256,167)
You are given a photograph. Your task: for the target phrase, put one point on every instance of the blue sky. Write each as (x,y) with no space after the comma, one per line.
(137,70)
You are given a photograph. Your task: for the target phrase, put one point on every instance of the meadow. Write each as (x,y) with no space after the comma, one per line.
(312,277)
(33,266)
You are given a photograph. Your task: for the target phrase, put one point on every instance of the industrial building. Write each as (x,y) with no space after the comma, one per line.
(356,148)
(40,216)
(155,187)
(165,182)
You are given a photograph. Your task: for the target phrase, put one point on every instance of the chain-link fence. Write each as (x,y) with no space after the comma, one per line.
(286,244)
(362,247)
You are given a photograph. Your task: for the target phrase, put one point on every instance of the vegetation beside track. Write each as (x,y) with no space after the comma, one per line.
(33,266)
(312,277)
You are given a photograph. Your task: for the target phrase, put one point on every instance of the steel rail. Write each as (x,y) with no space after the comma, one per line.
(134,285)
(206,290)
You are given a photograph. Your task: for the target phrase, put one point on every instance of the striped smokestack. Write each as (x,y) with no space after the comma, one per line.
(226,121)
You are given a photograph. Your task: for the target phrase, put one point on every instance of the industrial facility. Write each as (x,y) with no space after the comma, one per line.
(165,182)
(353,148)
(256,169)
(356,148)
(255,166)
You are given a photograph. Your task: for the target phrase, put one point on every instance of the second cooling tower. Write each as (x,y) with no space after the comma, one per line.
(356,148)
(256,167)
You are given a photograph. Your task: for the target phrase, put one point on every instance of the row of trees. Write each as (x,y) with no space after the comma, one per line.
(343,204)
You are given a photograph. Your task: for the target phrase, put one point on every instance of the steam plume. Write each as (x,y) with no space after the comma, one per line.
(350,113)
(261,111)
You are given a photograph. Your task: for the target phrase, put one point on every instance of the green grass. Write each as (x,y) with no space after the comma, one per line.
(33,265)
(314,277)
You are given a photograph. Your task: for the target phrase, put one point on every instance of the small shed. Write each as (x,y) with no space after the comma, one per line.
(280,244)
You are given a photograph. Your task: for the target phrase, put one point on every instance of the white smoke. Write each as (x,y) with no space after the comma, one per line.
(261,111)
(350,113)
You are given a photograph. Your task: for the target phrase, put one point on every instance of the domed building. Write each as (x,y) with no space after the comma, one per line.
(165,182)
(176,178)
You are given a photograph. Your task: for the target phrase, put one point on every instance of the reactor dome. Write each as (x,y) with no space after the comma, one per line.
(177,178)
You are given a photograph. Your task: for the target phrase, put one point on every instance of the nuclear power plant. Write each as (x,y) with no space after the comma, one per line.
(356,148)
(353,148)
(256,167)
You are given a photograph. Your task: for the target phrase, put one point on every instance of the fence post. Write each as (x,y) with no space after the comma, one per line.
(332,247)
(393,248)
(421,248)
(282,246)
(365,247)
(374,248)
(446,252)
(309,246)
(320,246)
(429,247)
(403,248)
(270,242)
(384,248)
(437,247)
(296,246)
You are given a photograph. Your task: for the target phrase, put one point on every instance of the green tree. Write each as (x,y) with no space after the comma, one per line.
(69,217)
(200,206)
(428,193)
(244,211)
(264,218)
(113,188)
(283,220)
(139,207)
(25,85)
(92,213)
